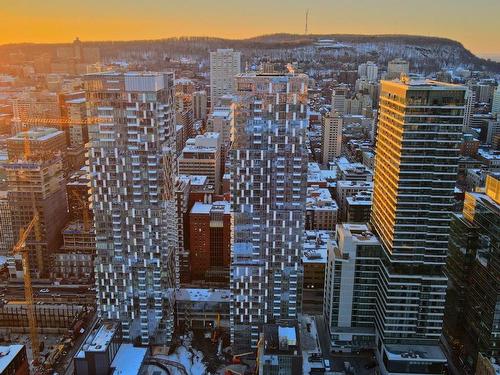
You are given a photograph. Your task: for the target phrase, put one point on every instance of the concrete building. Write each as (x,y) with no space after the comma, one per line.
(359,207)
(321,209)
(268,191)
(316,246)
(39,185)
(397,67)
(347,189)
(75,259)
(225,64)
(202,157)
(419,173)
(210,242)
(42,141)
(368,70)
(331,136)
(348,171)
(339,95)
(220,121)
(351,288)
(199,102)
(132,159)
(104,353)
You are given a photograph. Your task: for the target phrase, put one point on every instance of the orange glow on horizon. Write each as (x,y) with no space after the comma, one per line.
(56,21)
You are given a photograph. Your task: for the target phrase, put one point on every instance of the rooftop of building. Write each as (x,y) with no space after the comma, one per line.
(37,134)
(489,154)
(99,340)
(320,198)
(415,353)
(221,112)
(362,198)
(128,360)
(282,338)
(7,354)
(196,180)
(427,84)
(360,233)
(203,295)
(316,244)
(206,208)
(357,184)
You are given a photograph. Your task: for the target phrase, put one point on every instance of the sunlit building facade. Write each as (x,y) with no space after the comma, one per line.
(268,189)
(131,167)
(419,132)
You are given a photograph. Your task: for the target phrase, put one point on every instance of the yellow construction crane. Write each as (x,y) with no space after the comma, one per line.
(85,212)
(20,247)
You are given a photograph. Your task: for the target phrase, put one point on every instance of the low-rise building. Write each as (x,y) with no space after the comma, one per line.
(279,350)
(359,207)
(347,189)
(316,245)
(321,209)
(202,157)
(201,308)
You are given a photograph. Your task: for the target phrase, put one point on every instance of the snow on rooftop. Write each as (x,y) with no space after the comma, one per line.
(7,354)
(128,360)
(203,295)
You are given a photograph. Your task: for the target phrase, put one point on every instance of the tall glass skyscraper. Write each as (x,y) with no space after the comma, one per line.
(131,165)
(417,150)
(268,189)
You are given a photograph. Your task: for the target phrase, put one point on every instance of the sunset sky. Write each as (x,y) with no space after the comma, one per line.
(474,23)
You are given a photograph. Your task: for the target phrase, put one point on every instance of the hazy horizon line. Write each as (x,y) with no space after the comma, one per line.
(493,55)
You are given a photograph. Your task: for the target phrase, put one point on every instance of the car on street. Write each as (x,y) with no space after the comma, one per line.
(44,290)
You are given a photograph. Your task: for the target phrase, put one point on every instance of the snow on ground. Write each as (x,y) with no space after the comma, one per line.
(190,358)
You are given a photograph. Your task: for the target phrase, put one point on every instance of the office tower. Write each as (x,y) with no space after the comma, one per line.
(339,94)
(202,157)
(6,234)
(415,173)
(495,105)
(210,242)
(352,272)
(199,102)
(40,141)
(473,297)
(368,70)
(225,64)
(38,184)
(397,67)
(331,136)
(268,190)
(131,168)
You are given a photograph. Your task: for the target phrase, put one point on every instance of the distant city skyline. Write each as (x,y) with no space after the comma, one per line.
(474,25)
